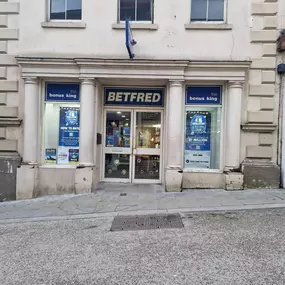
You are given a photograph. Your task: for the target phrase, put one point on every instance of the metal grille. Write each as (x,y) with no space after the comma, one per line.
(146,222)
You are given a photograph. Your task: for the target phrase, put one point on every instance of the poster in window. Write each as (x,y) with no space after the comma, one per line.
(69,125)
(198,139)
(50,156)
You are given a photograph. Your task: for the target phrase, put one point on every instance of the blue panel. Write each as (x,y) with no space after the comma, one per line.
(69,124)
(62,92)
(134,97)
(204,95)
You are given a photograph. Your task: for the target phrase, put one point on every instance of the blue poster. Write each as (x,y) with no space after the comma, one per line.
(62,92)
(69,123)
(204,95)
(50,156)
(198,131)
(73,155)
(109,141)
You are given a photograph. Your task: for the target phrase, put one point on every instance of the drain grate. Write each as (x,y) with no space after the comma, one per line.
(146,222)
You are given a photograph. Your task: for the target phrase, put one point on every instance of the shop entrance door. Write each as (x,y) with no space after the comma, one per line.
(132,150)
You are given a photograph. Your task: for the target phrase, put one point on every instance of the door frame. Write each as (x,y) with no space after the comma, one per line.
(133,110)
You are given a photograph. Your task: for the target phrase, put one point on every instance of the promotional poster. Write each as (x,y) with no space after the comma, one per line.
(198,139)
(50,156)
(69,124)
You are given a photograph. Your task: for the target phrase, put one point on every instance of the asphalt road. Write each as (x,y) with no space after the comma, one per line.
(213,248)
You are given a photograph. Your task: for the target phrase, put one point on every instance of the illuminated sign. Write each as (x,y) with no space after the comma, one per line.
(204,95)
(135,97)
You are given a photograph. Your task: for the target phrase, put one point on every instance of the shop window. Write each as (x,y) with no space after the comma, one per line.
(203,127)
(65,9)
(62,123)
(135,10)
(207,10)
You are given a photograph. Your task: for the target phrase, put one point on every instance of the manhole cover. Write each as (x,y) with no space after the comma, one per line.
(147,222)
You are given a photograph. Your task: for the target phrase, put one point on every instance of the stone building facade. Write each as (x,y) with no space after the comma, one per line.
(197,107)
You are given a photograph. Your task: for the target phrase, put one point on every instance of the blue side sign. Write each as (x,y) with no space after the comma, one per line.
(134,97)
(204,95)
(62,92)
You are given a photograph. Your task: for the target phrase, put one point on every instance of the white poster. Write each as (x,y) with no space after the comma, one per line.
(63,155)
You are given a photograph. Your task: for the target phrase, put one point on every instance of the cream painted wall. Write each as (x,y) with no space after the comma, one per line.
(170,41)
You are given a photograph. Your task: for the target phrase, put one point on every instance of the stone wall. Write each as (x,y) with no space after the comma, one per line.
(260,137)
(9,121)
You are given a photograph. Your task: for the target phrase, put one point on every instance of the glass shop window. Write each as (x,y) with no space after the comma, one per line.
(62,123)
(135,10)
(203,113)
(65,9)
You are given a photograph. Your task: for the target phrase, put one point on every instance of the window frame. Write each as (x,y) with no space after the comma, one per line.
(210,22)
(42,125)
(61,20)
(222,126)
(136,22)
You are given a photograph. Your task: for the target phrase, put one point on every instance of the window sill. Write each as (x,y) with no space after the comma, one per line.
(135,26)
(206,26)
(58,166)
(64,25)
(202,170)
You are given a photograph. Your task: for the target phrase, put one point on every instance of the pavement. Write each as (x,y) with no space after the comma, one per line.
(215,248)
(120,199)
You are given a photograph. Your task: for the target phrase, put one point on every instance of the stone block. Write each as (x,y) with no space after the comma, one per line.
(6,59)
(3,21)
(84,180)
(2,98)
(173,180)
(8,112)
(3,72)
(55,181)
(260,117)
(267,104)
(253,104)
(255,77)
(8,145)
(269,50)
(11,86)
(265,139)
(268,76)
(262,90)
(9,34)
(263,9)
(269,36)
(270,22)
(234,181)
(26,182)
(2,133)
(264,63)
(259,152)
(203,180)
(9,8)
(261,175)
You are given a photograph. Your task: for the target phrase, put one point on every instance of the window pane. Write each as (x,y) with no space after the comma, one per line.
(117,166)
(127,10)
(216,10)
(144,10)
(73,10)
(199,10)
(57,9)
(147,166)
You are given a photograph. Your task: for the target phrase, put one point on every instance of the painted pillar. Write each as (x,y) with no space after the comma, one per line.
(233,125)
(87,118)
(174,122)
(31,120)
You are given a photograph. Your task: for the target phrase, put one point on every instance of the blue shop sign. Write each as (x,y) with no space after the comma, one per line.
(134,97)
(62,92)
(204,95)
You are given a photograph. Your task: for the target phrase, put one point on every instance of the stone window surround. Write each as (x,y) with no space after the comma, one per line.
(175,74)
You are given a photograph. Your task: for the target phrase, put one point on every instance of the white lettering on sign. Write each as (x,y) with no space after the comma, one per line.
(138,97)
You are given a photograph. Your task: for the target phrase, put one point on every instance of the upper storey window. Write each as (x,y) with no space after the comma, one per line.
(65,9)
(136,10)
(208,10)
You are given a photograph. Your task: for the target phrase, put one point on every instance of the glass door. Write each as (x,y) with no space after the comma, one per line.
(147,147)
(118,146)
